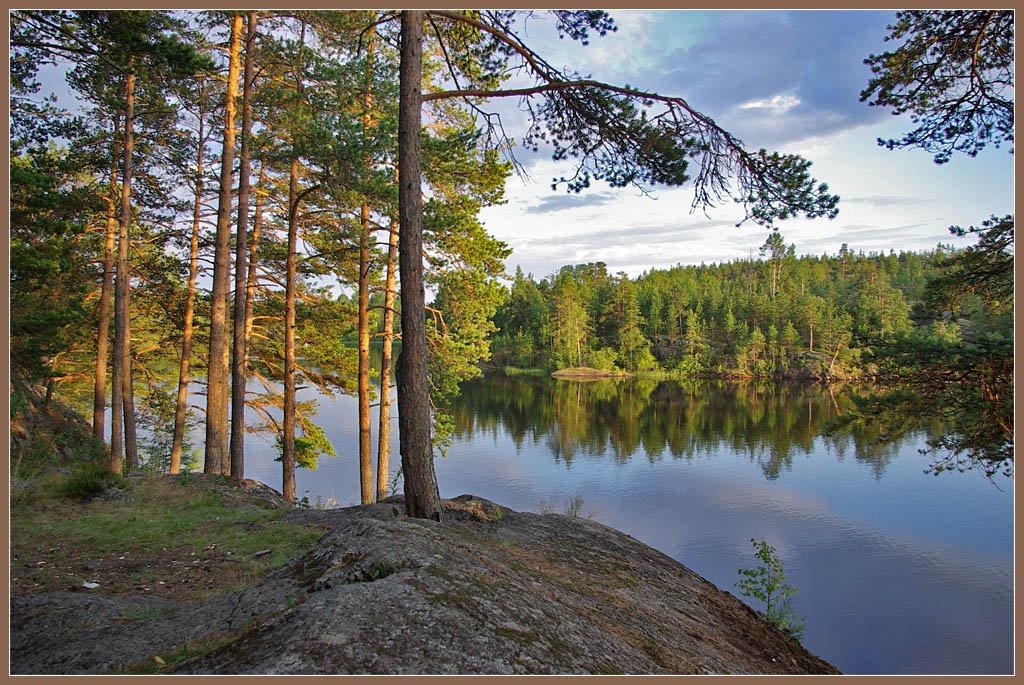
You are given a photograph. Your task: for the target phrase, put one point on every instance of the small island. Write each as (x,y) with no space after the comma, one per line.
(585,373)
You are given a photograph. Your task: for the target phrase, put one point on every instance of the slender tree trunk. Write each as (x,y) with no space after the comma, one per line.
(384,427)
(579,341)
(120,427)
(240,347)
(250,283)
(366,489)
(422,498)
(181,406)
(289,419)
(99,403)
(217,460)
(116,456)
(288,441)
(131,444)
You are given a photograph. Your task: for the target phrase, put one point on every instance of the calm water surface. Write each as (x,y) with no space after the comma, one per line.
(897,571)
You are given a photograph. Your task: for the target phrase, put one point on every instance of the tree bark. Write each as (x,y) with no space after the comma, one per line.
(288,439)
(366,489)
(250,283)
(99,403)
(240,346)
(131,443)
(181,406)
(217,380)
(422,499)
(119,427)
(384,426)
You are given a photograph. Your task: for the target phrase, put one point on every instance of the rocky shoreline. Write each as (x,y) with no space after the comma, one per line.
(488,590)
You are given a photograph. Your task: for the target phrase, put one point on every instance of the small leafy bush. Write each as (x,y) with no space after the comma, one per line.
(602,359)
(91,478)
(767,584)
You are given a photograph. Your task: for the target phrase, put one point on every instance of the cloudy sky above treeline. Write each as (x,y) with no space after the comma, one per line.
(783,80)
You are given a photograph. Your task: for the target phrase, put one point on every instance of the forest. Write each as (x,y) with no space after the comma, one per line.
(234,205)
(779,316)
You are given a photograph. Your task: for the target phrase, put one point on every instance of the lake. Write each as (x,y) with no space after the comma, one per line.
(898,571)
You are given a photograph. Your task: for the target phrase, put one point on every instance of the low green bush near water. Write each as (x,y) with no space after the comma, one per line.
(767,584)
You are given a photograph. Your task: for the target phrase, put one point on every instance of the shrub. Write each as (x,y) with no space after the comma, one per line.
(767,584)
(602,359)
(91,478)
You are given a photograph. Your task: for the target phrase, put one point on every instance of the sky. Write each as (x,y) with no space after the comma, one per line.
(784,80)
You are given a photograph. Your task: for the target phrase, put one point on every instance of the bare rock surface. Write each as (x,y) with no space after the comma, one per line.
(488,590)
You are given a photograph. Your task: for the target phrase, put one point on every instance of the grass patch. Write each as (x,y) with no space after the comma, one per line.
(176,657)
(572,506)
(171,540)
(520,636)
(135,614)
(517,371)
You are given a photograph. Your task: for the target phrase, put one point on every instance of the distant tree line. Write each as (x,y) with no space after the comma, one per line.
(778,316)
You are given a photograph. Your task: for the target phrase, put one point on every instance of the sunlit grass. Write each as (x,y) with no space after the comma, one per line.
(166,525)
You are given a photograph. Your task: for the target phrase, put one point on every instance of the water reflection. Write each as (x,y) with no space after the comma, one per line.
(898,571)
(768,423)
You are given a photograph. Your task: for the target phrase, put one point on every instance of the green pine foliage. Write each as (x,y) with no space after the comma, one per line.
(782,316)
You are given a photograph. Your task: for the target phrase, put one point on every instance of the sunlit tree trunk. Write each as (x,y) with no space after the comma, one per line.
(422,499)
(217,380)
(384,426)
(288,439)
(366,489)
(181,405)
(119,439)
(240,346)
(99,404)
(250,284)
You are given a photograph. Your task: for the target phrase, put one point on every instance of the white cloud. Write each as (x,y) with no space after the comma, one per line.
(778,104)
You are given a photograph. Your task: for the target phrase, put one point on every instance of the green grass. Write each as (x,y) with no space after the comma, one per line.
(517,371)
(178,656)
(164,527)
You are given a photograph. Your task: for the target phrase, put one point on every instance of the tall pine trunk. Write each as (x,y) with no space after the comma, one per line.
(181,405)
(217,459)
(422,499)
(288,440)
(119,426)
(250,283)
(240,346)
(366,489)
(384,426)
(131,443)
(99,403)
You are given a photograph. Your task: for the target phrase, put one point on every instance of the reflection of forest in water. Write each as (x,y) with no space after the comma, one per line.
(769,423)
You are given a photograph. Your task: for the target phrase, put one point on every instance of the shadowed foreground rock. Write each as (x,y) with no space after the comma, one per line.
(489,590)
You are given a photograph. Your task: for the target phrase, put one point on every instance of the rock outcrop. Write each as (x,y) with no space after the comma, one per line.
(489,590)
